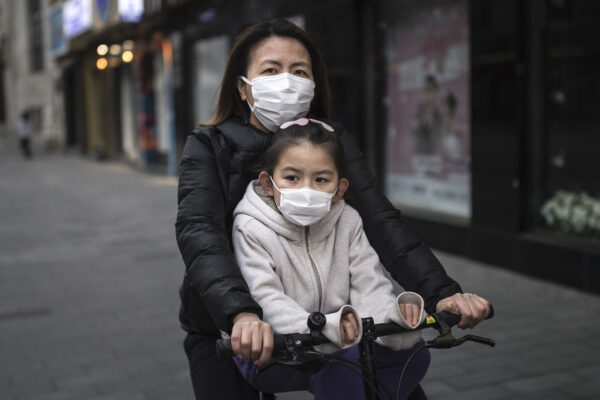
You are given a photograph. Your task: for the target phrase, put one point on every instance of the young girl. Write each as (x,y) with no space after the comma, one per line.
(301,249)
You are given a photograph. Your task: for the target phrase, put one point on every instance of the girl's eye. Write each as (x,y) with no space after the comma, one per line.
(322,180)
(291,178)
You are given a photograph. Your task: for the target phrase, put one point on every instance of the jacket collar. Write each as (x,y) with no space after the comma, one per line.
(243,136)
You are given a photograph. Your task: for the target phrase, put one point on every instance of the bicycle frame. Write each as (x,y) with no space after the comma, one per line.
(366,359)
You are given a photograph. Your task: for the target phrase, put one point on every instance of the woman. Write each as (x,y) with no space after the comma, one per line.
(274,74)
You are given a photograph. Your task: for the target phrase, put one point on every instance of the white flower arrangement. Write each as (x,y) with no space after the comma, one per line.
(573,213)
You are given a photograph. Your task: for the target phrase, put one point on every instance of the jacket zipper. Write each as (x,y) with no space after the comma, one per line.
(314,268)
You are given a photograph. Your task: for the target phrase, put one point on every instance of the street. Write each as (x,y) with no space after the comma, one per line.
(89,277)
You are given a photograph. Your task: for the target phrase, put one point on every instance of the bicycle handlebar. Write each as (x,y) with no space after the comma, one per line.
(282,341)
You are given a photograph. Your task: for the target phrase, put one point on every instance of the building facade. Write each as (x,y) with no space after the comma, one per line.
(29,78)
(477,117)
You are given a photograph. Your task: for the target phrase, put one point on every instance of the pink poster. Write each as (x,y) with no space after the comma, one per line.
(428,135)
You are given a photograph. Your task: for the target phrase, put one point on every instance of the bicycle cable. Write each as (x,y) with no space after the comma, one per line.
(405,366)
(348,364)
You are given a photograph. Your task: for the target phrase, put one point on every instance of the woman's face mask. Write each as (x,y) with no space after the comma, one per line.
(304,206)
(280,98)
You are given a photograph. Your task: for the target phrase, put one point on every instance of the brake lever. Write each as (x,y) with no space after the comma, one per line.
(480,339)
(448,341)
(442,342)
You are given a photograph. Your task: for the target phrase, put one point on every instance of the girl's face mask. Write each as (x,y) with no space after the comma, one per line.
(304,206)
(280,98)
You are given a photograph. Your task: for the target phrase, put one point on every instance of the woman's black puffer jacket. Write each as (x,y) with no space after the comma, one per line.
(216,166)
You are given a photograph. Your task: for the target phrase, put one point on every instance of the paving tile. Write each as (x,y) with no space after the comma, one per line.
(294,396)
(588,372)
(125,395)
(481,393)
(95,378)
(589,388)
(35,388)
(486,377)
(539,383)
(553,394)
(434,387)
(70,394)
(108,270)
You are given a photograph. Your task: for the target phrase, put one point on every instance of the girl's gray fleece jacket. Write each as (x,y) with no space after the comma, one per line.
(328,267)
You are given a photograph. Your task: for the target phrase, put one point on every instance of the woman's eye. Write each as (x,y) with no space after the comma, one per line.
(322,180)
(270,71)
(300,72)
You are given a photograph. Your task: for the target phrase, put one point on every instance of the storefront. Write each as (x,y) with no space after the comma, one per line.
(489,149)
(473,115)
(476,117)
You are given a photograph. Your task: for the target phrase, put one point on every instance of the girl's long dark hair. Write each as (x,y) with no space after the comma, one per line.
(230,103)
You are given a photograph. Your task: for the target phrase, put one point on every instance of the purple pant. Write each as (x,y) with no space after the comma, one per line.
(333,381)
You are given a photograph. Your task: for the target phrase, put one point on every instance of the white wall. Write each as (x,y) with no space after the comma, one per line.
(27,89)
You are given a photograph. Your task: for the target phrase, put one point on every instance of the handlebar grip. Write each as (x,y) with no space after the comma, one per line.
(223,347)
(453,319)
(450,318)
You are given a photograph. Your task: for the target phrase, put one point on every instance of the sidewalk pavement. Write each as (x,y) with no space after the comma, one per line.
(89,272)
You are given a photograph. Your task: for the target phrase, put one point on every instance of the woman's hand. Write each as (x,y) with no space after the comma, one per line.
(252,338)
(411,313)
(348,328)
(471,307)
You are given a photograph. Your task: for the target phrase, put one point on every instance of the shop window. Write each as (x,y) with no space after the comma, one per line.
(36,48)
(428,164)
(210,57)
(571,198)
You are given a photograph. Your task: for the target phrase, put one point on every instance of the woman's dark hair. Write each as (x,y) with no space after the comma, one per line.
(293,135)
(230,103)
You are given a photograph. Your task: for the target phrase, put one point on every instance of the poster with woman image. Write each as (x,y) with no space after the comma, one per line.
(428,136)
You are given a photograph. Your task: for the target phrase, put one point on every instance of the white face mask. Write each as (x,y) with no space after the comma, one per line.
(280,98)
(304,206)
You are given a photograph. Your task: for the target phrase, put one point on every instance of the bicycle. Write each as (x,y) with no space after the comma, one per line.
(295,349)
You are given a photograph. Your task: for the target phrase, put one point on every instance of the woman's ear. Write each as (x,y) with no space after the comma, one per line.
(265,182)
(342,187)
(241,87)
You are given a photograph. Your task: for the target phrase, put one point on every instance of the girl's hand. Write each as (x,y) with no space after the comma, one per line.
(348,328)
(411,313)
(471,307)
(252,338)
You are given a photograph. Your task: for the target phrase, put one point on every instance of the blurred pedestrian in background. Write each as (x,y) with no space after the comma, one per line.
(25,128)
(274,74)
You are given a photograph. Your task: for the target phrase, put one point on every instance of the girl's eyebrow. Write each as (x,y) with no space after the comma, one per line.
(291,169)
(296,170)
(324,171)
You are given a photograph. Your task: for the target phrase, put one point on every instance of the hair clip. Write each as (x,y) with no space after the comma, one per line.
(304,121)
